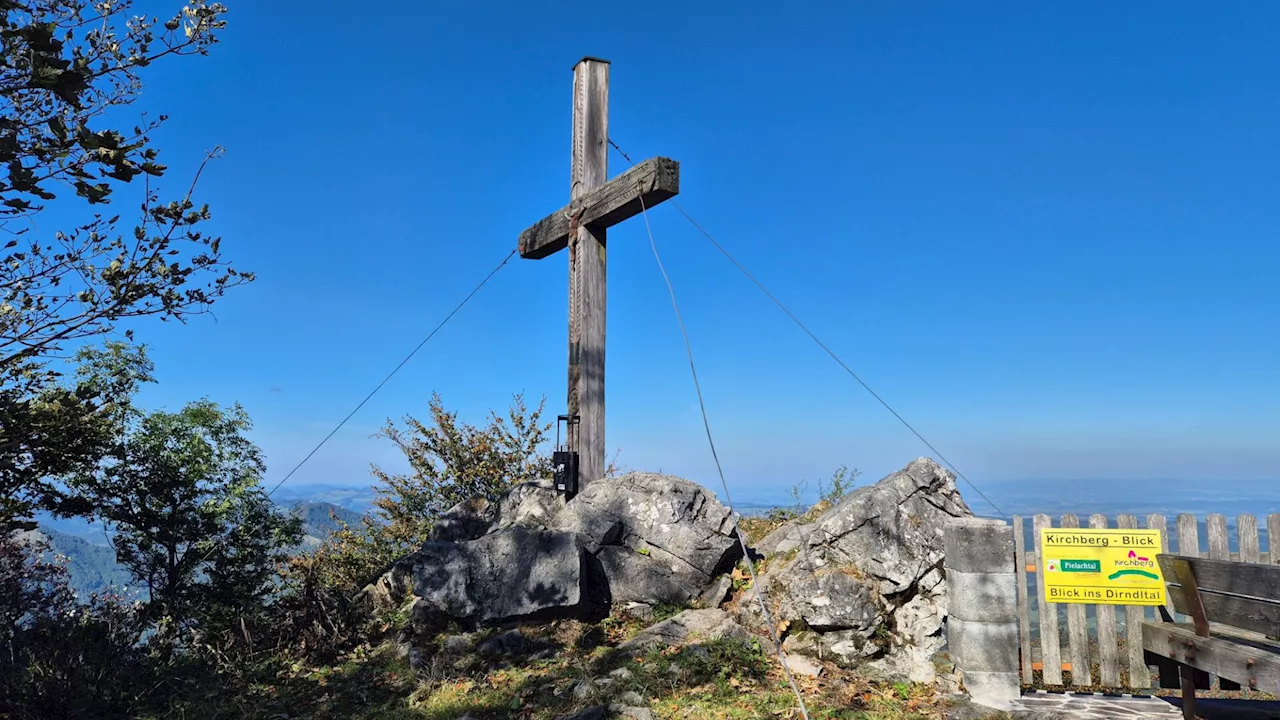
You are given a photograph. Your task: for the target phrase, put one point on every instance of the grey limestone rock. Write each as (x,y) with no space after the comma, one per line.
(468,520)
(670,537)
(784,539)
(530,555)
(598,712)
(528,504)
(867,576)
(689,626)
(511,575)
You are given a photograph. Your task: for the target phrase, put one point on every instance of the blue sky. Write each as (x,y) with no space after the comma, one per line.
(1045,233)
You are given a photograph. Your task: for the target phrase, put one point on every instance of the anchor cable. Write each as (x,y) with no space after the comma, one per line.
(823,345)
(380,385)
(397,368)
(746,553)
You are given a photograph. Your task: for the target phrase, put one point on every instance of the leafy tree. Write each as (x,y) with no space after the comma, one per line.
(192,523)
(68,68)
(30,586)
(449,461)
(452,462)
(60,657)
(64,429)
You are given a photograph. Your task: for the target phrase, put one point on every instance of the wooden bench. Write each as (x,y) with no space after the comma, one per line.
(1235,609)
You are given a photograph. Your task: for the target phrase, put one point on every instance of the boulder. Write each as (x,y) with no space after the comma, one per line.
(637,538)
(801,665)
(531,505)
(716,592)
(592,713)
(468,520)
(527,504)
(785,539)
(511,575)
(866,575)
(688,626)
(631,712)
(652,577)
(661,539)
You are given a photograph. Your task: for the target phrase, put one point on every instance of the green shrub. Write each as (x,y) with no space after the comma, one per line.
(449,461)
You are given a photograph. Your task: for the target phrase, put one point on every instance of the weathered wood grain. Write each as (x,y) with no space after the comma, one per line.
(1050,636)
(1246,613)
(1233,578)
(649,182)
(1188,544)
(1134,615)
(1247,531)
(1024,599)
(1189,536)
(1219,544)
(1273,538)
(590,169)
(1078,631)
(1250,552)
(1251,663)
(1108,644)
(1155,521)
(1187,592)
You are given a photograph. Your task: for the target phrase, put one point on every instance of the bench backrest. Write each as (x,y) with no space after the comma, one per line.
(1242,595)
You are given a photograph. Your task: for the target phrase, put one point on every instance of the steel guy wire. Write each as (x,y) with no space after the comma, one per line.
(746,552)
(823,345)
(397,368)
(385,380)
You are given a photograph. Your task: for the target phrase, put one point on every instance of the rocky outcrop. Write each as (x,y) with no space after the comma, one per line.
(660,539)
(528,504)
(511,575)
(468,520)
(865,578)
(638,538)
(861,584)
(784,540)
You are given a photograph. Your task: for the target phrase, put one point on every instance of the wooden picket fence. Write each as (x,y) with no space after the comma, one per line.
(1111,657)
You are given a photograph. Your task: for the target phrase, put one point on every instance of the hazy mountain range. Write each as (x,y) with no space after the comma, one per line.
(92,563)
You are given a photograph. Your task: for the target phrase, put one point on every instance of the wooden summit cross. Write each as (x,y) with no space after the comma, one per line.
(594,206)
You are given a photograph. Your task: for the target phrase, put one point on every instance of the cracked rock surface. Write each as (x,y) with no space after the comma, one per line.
(660,538)
(866,576)
(636,538)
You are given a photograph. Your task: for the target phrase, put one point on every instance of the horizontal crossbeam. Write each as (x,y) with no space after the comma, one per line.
(651,181)
(1253,663)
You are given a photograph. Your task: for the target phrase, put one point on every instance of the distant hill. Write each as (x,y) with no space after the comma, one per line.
(92,565)
(358,498)
(91,568)
(321,519)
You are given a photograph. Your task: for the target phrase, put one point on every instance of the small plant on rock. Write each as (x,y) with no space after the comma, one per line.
(842,481)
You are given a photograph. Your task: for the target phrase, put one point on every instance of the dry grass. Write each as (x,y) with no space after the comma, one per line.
(755,528)
(712,681)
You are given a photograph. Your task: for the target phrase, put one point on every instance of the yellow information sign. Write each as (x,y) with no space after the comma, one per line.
(1101,567)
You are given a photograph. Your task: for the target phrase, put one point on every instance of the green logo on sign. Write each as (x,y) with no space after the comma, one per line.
(1082,566)
(1143,573)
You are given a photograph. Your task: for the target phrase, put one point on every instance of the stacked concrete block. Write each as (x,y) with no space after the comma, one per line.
(982,614)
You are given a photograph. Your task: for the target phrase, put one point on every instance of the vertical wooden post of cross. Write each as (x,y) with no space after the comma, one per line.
(594,206)
(587,266)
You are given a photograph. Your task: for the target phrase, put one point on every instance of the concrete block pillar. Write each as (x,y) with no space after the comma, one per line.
(982,609)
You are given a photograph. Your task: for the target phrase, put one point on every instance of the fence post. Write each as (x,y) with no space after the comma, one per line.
(982,614)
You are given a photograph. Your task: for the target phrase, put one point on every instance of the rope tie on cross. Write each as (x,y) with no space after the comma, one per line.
(595,204)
